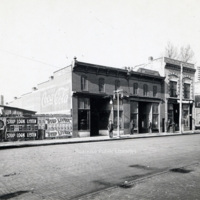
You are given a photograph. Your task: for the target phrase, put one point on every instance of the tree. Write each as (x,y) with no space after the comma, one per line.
(171,51)
(186,54)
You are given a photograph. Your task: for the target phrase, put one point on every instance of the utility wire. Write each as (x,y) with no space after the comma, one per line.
(28,58)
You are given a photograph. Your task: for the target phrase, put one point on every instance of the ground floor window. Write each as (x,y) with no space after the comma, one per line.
(83,120)
(134,113)
(186,115)
(155,115)
(83,114)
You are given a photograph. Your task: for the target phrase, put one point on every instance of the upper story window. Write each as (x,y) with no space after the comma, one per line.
(135,88)
(117,85)
(155,90)
(101,85)
(186,90)
(84,83)
(145,89)
(173,89)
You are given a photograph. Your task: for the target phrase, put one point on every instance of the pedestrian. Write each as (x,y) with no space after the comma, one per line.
(132,127)
(150,127)
(110,129)
(169,124)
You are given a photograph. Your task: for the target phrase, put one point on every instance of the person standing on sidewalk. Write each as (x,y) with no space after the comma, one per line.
(132,127)
(110,129)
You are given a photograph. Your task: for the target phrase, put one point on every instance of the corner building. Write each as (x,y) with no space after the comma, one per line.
(89,94)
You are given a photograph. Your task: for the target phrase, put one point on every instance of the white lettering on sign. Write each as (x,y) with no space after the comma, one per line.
(61,96)
(21,135)
(21,121)
(51,120)
(10,135)
(31,134)
(31,121)
(55,97)
(10,121)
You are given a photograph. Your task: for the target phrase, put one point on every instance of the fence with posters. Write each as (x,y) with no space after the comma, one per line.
(21,128)
(56,126)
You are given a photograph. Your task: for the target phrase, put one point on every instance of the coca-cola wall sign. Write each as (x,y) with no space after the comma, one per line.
(56,100)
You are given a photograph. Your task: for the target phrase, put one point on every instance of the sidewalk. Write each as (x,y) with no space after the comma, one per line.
(19,144)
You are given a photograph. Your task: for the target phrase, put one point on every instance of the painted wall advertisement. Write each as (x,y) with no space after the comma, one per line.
(58,127)
(56,100)
(21,128)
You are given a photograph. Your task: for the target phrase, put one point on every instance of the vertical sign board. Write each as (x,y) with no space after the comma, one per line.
(21,128)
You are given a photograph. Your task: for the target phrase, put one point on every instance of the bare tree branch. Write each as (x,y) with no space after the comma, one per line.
(170,51)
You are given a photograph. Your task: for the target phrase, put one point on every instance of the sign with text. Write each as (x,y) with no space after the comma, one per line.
(56,99)
(21,128)
(59,127)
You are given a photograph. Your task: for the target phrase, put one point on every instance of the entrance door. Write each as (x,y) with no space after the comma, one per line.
(99,115)
(176,116)
(144,114)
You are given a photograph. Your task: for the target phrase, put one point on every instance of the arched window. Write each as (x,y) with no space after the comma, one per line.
(173,88)
(186,90)
(135,88)
(155,91)
(145,89)
(101,85)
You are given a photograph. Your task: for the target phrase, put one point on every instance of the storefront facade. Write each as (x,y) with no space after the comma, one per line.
(126,97)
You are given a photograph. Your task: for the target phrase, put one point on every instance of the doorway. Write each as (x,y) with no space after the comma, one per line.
(99,115)
(176,116)
(144,116)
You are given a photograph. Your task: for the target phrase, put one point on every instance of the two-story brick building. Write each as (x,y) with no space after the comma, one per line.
(88,93)
(180,77)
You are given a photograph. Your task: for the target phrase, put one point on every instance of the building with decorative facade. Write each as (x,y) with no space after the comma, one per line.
(179,91)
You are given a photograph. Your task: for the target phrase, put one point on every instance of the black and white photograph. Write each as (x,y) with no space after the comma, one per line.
(99,99)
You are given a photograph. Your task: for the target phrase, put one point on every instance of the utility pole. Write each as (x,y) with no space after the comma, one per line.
(181,97)
(118,92)
(118,131)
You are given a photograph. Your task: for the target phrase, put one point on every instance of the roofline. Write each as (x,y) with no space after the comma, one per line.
(17,108)
(117,69)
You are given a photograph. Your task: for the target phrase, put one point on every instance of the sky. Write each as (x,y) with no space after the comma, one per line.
(38,37)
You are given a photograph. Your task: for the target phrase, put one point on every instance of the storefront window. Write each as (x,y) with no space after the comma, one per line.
(170,113)
(155,115)
(134,113)
(83,113)
(186,115)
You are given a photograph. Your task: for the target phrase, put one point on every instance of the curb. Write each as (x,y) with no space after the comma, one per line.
(49,142)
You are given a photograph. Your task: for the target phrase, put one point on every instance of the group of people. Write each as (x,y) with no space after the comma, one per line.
(111,128)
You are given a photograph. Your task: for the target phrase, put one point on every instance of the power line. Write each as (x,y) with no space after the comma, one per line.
(28,58)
